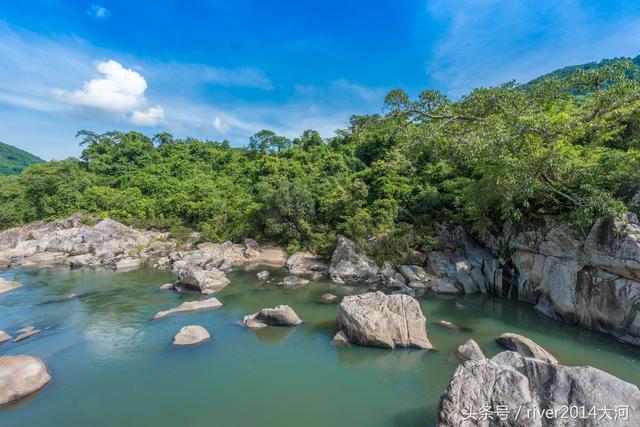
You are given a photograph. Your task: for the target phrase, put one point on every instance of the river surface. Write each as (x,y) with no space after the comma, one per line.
(113,366)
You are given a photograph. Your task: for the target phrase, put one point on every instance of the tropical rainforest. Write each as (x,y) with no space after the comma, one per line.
(564,147)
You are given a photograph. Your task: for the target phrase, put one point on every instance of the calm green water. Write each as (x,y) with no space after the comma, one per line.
(113,366)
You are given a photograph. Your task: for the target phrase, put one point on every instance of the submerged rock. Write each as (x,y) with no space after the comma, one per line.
(351,267)
(4,337)
(20,376)
(470,350)
(292,282)
(191,334)
(209,303)
(453,326)
(8,286)
(281,315)
(328,299)
(379,320)
(306,263)
(340,340)
(263,275)
(167,287)
(525,347)
(525,387)
(26,332)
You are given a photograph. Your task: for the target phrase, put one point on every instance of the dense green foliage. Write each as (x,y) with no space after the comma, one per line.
(558,148)
(14,160)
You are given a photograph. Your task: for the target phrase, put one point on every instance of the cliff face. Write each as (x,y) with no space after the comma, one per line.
(592,282)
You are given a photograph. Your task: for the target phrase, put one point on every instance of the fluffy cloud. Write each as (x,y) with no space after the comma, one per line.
(98,12)
(149,117)
(220,125)
(119,90)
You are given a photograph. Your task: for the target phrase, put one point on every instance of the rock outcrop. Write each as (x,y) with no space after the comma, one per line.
(209,303)
(349,266)
(21,376)
(281,315)
(306,264)
(190,335)
(522,389)
(71,241)
(525,346)
(205,281)
(8,286)
(379,320)
(470,350)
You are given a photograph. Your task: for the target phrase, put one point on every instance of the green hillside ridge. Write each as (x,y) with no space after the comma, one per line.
(561,73)
(14,160)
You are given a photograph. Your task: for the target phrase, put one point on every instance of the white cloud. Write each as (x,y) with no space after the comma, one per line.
(119,90)
(221,126)
(98,12)
(152,116)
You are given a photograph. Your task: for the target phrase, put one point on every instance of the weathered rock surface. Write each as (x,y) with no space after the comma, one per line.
(21,376)
(4,336)
(281,315)
(350,266)
(8,286)
(293,282)
(205,281)
(470,350)
(328,299)
(209,303)
(127,263)
(379,320)
(526,387)
(190,335)
(263,275)
(70,241)
(306,263)
(525,346)
(340,340)
(166,287)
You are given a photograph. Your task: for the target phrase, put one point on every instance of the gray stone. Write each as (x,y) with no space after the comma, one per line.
(351,267)
(281,315)
(293,282)
(209,303)
(306,263)
(340,340)
(167,287)
(379,320)
(190,335)
(26,332)
(206,281)
(525,346)
(8,286)
(328,299)
(21,376)
(4,336)
(263,275)
(470,350)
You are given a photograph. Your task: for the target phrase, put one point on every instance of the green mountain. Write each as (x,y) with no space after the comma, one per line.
(14,160)
(566,71)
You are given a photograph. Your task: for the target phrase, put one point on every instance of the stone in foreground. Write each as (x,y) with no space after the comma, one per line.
(525,347)
(209,303)
(20,376)
(8,286)
(526,387)
(470,350)
(378,320)
(281,315)
(190,335)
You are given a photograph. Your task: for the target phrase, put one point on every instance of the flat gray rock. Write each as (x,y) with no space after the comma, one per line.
(190,335)
(20,376)
(281,315)
(207,304)
(4,337)
(8,286)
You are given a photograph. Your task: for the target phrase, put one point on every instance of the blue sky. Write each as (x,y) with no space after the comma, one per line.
(226,69)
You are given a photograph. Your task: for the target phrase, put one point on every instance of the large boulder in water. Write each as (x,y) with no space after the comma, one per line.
(20,376)
(524,387)
(379,320)
(281,315)
(205,281)
(525,346)
(190,335)
(351,267)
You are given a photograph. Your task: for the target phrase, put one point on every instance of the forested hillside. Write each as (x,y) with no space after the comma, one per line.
(14,160)
(565,148)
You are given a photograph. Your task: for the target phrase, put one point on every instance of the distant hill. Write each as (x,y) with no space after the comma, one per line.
(565,71)
(14,160)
